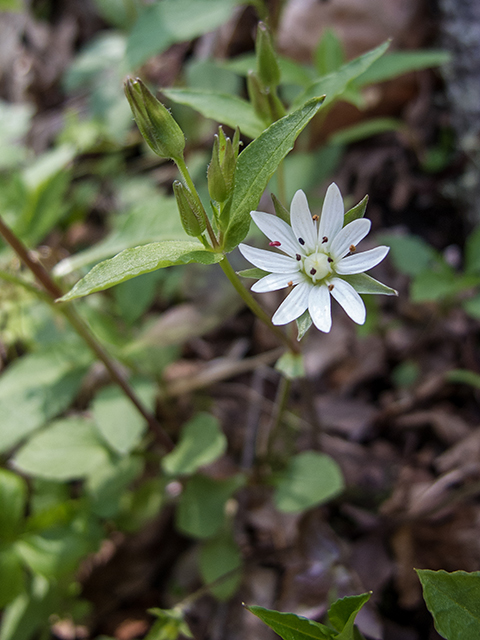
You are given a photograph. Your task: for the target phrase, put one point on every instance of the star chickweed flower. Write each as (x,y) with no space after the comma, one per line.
(319,257)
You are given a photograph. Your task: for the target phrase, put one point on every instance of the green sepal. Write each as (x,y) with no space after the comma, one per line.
(291,365)
(356,212)
(281,211)
(216,184)
(267,64)
(156,123)
(193,221)
(363,283)
(304,322)
(254,272)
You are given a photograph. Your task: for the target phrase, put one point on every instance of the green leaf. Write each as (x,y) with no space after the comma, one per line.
(13,494)
(119,422)
(107,484)
(218,557)
(29,612)
(223,108)
(133,262)
(171,624)
(310,479)
(291,365)
(432,286)
(410,254)
(12,582)
(201,508)
(201,443)
(337,82)
(363,283)
(452,599)
(65,450)
(463,376)
(343,612)
(35,389)
(289,626)
(154,217)
(56,552)
(170,21)
(256,165)
(329,54)
(365,129)
(472,252)
(400,62)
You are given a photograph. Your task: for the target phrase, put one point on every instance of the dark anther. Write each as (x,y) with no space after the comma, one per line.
(324,239)
(313,272)
(301,241)
(315,218)
(275,243)
(290,283)
(330,287)
(330,259)
(352,248)
(298,257)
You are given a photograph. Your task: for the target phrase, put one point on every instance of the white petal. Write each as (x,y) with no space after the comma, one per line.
(352,233)
(331,220)
(293,306)
(320,308)
(345,294)
(268,260)
(302,222)
(275,281)
(360,262)
(277,230)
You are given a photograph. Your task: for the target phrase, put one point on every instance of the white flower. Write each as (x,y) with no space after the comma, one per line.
(320,259)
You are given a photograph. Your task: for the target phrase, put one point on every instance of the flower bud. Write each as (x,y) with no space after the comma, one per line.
(267,64)
(216,182)
(156,123)
(193,220)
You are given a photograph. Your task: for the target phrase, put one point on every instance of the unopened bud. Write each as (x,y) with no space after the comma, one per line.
(267,64)
(216,183)
(193,220)
(156,123)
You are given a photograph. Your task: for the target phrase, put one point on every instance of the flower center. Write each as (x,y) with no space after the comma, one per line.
(317,266)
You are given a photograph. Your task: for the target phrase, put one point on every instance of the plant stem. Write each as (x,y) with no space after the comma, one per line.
(182,167)
(54,291)
(255,307)
(280,406)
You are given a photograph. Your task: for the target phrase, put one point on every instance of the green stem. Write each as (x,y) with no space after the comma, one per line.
(182,167)
(255,307)
(280,405)
(54,291)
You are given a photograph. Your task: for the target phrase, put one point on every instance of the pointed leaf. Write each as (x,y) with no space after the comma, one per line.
(400,62)
(452,599)
(289,626)
(133,262)
(221,107)
(335,83)
(256,165)
(343,612)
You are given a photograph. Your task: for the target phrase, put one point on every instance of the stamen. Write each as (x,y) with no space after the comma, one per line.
(275,243)
(330,259)
(324,239)
(330,287)
(298,257)
(352,248)
(301,241)
(290,283)
(315,218)
(313,272)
